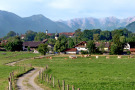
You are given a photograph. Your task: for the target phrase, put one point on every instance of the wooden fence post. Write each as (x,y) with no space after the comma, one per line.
(42,75)
(45,77)
(63,85)
(10,76)
(50,78)
(13,75)
(68,87)
(39,74)
(73,87)
(58,84)
(53,82)
(10,84)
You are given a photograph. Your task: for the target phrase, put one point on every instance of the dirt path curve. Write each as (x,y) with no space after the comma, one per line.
(26,82)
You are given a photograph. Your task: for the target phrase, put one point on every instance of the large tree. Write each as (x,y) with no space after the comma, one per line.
(43,48)
(30,35)
(40,36)
(117,46)
(96,37)
(70,43)
(105,35)
(77,36)
(14,44)
(91,47)
(11,34)
(61,44)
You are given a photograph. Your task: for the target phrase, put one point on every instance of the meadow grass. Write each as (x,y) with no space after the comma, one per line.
(6,57)
(91,74)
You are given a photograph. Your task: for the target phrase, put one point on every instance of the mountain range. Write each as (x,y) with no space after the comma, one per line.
(108,23)
(39,23)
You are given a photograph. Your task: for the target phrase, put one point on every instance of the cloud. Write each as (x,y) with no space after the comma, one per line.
(62,9)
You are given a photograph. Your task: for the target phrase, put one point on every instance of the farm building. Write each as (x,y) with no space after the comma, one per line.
(34,45)
(71,51)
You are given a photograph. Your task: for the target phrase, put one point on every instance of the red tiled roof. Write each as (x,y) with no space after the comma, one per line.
(4,41)
(132,49)
(23,35)
(71,50)
(81,44)
(49,34)
(67,33)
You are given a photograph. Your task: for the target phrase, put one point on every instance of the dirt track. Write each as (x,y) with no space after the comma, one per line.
(26,82)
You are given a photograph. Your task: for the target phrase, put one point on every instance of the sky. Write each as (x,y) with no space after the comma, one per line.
(69,9)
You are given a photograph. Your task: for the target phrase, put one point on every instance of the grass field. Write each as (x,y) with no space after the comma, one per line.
(91,74)
(6,57)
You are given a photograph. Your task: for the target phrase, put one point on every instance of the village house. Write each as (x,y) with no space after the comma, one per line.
(127,46)
(106,45)
(71,51)
(34,45)
(82,47)
(3,42)
(23,36)
(68,34)
(132,47)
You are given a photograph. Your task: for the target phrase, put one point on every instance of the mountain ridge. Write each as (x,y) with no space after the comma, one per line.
(38,23)
(107,23)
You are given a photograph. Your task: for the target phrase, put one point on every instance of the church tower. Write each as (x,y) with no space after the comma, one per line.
(46,32)
(56,36)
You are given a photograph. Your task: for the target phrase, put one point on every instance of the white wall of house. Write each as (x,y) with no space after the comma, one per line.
(106,49)
(70,52)
(35,51)
(24,48)
(127,46)
(81,48)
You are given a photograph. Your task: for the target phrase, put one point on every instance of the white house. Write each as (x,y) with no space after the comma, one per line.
(71,51)
(127,46)
(81,46)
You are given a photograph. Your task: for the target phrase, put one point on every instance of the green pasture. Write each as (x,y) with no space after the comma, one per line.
(91,74)
(6,57)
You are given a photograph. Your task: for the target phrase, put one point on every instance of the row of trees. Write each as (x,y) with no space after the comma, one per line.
(85,35)
(118,38)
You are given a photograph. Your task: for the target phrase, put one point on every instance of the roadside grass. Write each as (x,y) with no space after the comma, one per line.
(6,57)
(90,74)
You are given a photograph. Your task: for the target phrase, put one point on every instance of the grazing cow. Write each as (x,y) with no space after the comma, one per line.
(107,57)
(97,57)
(41,57)
(72,56)
(119,56)
(85,56)
(50,57)
(82,55)
(131,56)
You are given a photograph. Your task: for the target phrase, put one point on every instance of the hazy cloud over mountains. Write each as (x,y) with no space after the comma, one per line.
(69,9)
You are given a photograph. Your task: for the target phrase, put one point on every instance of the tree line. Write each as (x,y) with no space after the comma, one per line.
(118,37)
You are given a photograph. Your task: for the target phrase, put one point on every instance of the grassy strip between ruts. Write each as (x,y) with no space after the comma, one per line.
(90,73)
